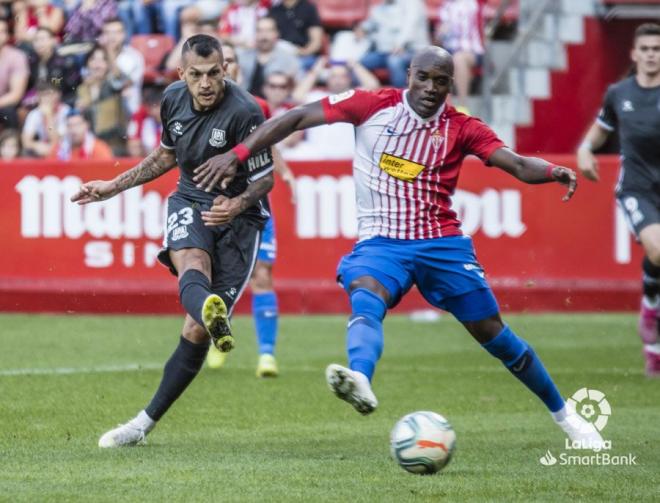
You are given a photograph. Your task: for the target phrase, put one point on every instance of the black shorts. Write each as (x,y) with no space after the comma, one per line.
(233,248)
(641,209)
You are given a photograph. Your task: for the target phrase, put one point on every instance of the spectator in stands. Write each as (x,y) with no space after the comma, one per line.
(169,13)
(46,124)
(46,65)
(173,59)
(5,9)
(337,77)
(100,96)
(125,60)
(79,143)
(277,93)
(138,16)
(336,141)
(10,145)
(87,20)
(298,22)
(396,28)
(203,10)
(29,15)
(269,55)
(459,31)
(145,127)
(238,24)
(14,75)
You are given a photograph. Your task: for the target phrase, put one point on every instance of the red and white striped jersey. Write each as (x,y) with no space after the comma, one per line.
(406,167)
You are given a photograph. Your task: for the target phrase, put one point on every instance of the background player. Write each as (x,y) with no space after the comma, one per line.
(409,148)
(265,310)
(632,108)
(202,115)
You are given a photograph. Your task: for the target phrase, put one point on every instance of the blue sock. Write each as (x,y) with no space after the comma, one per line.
(364,338)
(522,362)
(265,314)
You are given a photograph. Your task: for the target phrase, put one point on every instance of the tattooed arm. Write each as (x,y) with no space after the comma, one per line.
(159,162)
(225,209)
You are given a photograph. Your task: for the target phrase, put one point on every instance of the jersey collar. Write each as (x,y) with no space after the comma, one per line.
(416,115)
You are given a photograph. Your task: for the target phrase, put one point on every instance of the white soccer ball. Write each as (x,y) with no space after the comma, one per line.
(422,442)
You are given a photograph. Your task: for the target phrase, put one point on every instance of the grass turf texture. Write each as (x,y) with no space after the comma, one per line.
(232,437)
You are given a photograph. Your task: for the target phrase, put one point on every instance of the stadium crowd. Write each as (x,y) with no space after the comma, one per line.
(82,79)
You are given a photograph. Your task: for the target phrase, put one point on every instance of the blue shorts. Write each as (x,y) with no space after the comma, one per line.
(268,247)
(445,270)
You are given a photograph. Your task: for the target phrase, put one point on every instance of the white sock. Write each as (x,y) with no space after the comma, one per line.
(143,421)
(653,348)
(560,415)
(651,302)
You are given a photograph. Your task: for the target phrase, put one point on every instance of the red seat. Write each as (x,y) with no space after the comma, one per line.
(342,13)
(154,48)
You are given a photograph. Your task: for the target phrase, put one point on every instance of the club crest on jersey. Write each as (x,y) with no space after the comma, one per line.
(218,138)
(177,129)
(437,139)
(627,106)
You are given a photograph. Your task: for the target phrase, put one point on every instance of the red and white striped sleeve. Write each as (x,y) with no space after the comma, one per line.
(478,139)
(356,106)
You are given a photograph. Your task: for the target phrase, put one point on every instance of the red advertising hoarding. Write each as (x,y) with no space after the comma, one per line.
(539,253)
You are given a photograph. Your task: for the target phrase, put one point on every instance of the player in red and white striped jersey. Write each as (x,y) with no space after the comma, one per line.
(409,149)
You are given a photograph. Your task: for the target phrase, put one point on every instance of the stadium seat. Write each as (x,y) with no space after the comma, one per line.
(154,48)
(342,13)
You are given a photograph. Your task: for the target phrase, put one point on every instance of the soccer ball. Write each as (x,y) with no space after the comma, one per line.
(422,442)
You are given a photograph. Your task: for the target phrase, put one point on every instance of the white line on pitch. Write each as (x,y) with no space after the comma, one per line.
(81,370)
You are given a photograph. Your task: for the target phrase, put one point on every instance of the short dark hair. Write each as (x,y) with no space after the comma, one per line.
(83,114)
(113,20)
(152,94)
(202,45)
(46,29)
(94,49)
(45,86)
(647,29)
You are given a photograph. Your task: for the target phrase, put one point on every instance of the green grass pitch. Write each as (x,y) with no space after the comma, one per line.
(232,437)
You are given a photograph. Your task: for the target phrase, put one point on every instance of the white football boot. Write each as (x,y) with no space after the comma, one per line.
(352,387)
(581,432)
(131,433)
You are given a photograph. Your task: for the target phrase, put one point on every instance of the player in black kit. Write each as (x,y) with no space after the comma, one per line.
(632,108)
(203,115)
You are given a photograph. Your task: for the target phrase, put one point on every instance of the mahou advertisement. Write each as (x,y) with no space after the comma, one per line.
(538,252)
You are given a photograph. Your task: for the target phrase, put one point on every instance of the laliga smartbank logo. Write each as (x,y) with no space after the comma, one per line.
(588,414)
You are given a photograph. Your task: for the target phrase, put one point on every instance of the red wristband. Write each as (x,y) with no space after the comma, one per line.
(548,171)
(242,152)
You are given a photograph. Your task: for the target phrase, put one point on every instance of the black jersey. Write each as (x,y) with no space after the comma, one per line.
(634,111)
(197,136)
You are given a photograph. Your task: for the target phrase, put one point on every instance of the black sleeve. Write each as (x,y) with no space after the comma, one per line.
(259,163)
(313,18)
(166,140)
(607,116)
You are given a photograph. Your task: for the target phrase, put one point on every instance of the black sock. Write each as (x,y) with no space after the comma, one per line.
(194,287)
(180,370)
(650,279)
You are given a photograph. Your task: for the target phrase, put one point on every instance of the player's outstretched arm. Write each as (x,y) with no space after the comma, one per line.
(159,162)
(222,168)
(225,209)
(534,170)
(587,162)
